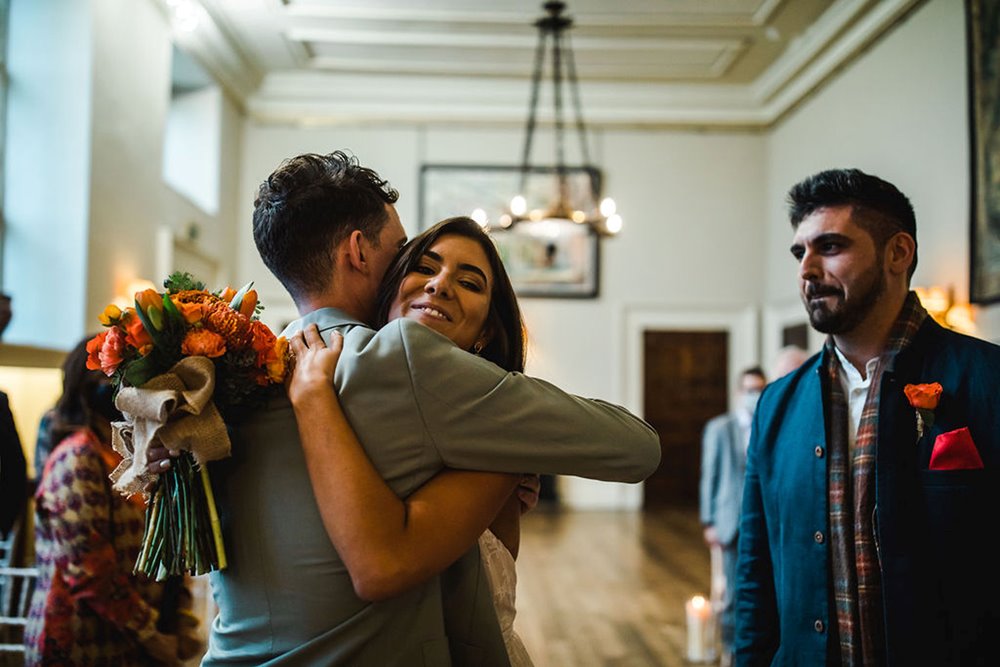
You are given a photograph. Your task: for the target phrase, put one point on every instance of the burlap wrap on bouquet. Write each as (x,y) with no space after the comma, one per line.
(174,410)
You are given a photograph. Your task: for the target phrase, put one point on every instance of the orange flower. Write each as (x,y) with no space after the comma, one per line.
(249,303)
(227,295)
(262,341)
(228,323)
(112,350)
(94,346)
(191,312)
(923,396)
(277,366)
(204,343)
(109,315)
(148,298)
(137,336)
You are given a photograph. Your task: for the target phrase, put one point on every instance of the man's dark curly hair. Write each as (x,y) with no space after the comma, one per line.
(307,206)
(877,206)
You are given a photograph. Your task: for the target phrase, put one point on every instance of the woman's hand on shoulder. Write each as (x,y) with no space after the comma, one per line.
(314,363)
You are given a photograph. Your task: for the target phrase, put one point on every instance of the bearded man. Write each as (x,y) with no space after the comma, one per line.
(872,469)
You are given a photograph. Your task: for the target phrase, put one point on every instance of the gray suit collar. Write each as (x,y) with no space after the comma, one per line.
(324,318)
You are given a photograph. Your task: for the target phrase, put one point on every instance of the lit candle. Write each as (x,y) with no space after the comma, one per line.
(701,630)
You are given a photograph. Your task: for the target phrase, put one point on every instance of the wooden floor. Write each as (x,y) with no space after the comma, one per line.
(608,588)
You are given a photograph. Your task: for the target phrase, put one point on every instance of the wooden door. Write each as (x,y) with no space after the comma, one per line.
(684,385)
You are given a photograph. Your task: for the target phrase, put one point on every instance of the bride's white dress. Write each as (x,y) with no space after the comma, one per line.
(502,574)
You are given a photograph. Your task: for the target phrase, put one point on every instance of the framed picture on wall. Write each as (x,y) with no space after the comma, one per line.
(550,258)
(448,190)
(983,27)
(544,258)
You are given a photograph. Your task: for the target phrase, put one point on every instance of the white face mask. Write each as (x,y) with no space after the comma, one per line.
(750,399)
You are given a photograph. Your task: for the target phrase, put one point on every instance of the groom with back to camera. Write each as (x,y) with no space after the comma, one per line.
(327,228)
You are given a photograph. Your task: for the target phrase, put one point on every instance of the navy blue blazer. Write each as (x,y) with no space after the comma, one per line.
(934,528)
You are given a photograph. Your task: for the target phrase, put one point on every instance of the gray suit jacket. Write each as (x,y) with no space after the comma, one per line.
(418,403)
(723,465)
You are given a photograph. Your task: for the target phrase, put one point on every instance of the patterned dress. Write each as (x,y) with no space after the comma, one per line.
(88,608)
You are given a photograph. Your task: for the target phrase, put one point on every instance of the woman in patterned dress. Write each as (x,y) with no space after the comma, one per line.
(88,608)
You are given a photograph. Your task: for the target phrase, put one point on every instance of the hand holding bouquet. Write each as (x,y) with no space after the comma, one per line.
(183,361)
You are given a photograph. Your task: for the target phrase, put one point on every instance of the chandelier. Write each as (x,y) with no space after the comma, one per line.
(576,199)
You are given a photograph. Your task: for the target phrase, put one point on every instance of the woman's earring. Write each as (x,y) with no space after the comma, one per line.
(478,347)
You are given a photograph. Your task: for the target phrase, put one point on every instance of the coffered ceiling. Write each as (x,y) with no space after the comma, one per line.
(704,63)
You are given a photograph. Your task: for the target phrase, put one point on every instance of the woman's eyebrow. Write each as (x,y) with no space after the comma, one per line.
(465,267)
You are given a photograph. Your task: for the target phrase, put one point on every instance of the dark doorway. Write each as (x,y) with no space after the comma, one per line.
(684,385)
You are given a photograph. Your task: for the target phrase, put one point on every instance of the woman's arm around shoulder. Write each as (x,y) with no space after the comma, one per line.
(388,544)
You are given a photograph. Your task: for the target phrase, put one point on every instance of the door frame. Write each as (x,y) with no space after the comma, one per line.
(741,322)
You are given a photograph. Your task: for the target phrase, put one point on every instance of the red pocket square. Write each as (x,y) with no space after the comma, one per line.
(955,450)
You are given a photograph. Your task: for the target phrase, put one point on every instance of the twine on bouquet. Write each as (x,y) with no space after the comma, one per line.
(174,410)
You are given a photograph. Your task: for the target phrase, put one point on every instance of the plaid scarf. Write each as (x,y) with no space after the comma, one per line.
(857,586)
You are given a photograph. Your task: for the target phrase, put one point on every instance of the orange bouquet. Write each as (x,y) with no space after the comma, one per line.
(183,362)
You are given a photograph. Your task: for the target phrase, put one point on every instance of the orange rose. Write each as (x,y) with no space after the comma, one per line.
(203,343)
(112,348)
(191,312)
(277,366)
(262,341)
(923,396)
(137,336)
(94,346)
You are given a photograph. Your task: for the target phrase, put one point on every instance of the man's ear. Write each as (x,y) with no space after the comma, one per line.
(356,248)
(899,253)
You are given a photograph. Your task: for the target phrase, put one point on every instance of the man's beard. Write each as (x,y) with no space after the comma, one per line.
(844,314)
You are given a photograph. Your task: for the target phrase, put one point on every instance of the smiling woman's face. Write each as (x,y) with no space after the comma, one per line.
(449,290)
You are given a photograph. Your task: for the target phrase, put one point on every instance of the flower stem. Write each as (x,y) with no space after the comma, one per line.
(214,516)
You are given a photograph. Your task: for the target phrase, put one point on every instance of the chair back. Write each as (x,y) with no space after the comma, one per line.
(17,584)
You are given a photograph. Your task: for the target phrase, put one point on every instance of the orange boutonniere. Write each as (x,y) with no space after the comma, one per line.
(924,398)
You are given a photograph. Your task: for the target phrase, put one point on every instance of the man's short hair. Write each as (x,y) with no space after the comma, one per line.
(307,206)
(754,370)
(877,206)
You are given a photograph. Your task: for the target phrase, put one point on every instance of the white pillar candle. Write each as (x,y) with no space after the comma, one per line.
(700,630)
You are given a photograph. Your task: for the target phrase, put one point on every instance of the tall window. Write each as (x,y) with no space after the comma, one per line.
(193,141)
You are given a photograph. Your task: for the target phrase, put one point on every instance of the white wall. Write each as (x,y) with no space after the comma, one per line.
(899,112)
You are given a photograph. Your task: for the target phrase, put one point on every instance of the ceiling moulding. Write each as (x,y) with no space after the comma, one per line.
(845,30)
(305,12)
(364,98)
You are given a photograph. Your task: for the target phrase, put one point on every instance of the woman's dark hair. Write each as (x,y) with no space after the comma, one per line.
(86,395)
(504,322)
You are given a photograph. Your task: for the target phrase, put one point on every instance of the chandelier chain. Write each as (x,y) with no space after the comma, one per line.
(536,81)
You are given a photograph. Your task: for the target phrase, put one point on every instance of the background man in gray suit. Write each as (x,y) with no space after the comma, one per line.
(327,228)
(723,463)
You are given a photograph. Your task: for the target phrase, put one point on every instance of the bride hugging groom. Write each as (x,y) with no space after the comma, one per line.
(372,517)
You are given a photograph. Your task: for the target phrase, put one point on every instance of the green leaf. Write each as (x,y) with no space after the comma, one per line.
(142,370)
(178,282)
(155,316)
(158,339)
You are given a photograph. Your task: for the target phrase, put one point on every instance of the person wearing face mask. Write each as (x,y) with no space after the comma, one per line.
(723,460)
